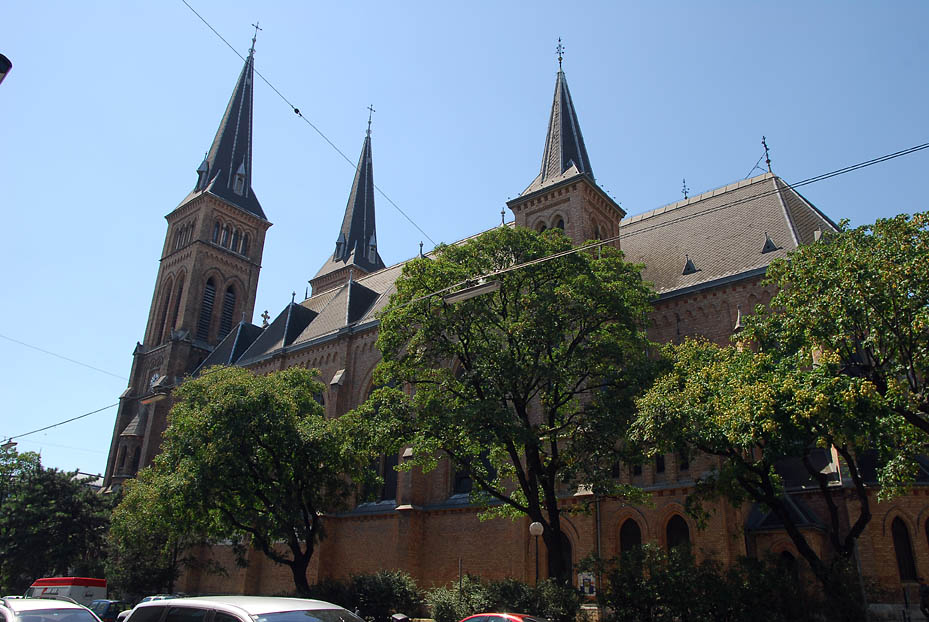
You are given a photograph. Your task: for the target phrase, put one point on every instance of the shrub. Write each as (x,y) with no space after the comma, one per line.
(379,595)
(550,599)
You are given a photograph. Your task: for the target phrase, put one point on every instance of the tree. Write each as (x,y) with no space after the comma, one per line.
(51,522)
(150,537)
(863,295)
(754,409)
(255,457)
(526,390)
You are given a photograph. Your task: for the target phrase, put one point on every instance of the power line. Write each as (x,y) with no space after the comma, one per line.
(599,243)
(65,358)
(55,425)
(310,123)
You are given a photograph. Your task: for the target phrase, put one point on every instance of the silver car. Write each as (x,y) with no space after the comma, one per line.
(240,609)
(44,610)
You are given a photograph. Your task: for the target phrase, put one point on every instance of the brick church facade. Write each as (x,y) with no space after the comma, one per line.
(705,256)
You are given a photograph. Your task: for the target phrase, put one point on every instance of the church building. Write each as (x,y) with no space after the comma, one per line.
(705,256)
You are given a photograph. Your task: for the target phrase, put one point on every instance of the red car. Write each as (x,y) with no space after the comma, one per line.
(503,617)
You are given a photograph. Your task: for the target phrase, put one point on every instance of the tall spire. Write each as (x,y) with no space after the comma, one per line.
(356,242)
(565,154)
(226,171)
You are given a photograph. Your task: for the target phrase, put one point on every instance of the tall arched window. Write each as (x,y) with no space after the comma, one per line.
(677,532)
(235,240)
(177,302)
(903,547)
(630,536)
(225,236)
(567,554)
(225,320)
(245,244)
(560,223)
(136,457)
(159,331)
(206,310)
(216,228)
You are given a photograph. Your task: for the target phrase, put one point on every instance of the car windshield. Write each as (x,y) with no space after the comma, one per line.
(311,615)
(55,615)
(99,606)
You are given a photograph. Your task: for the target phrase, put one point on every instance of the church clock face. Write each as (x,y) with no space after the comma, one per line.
(153,380)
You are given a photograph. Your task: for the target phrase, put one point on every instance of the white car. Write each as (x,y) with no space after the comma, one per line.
(44,610)
(240,609)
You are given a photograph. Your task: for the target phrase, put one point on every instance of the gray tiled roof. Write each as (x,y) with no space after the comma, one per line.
(231,150)
(565,154)
(722,232)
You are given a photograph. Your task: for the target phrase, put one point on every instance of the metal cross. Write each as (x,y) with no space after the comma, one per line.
(560,49)
(767,158)
(255,36)
(371,111)
(685,189)
(264,318)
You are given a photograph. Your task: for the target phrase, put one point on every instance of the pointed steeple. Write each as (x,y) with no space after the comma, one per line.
(226,171)
(565,154)
(356,241)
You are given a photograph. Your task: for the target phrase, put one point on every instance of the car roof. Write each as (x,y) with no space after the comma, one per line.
(31,604)
(250,605)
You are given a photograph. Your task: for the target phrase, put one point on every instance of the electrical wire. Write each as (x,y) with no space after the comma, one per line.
(310,123)
(65,358)
(55,425)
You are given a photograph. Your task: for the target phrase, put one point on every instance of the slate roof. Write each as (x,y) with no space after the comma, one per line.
(232,347)
(358,232)
(722,233)
(763,519)
(231,151)
(565,154)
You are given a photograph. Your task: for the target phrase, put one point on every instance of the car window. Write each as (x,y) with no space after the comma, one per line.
(186,614)
(55,615)
(146,614)
(225,617)
(311,615)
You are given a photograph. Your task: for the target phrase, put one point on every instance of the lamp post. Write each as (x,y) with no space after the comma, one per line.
(5,66)
(536,530)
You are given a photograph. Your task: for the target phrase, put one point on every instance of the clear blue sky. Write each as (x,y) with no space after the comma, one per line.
(110,106)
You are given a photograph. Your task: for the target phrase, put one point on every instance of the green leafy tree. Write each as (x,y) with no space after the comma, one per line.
(151,536)
(754,409)
(51,522)
(526,390)
(254,459)
(863,296)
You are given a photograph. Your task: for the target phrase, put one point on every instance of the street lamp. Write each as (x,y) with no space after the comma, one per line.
(536,529)
(5,66)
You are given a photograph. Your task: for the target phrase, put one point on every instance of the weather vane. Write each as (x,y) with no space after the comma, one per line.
(371,111)
(560,49)
(767,157)
(255,36)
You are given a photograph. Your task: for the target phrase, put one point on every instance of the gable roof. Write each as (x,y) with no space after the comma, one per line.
(720,234)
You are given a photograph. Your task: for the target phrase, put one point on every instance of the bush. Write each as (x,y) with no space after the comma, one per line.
(649,583)
(384,593)
(550,599)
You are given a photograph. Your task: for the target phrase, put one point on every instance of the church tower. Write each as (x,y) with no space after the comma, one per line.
(565,193)
(355,249)
(207,281)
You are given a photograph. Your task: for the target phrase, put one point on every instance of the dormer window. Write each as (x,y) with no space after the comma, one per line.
(203,172)
(340,249)
(372,249)
(238,185)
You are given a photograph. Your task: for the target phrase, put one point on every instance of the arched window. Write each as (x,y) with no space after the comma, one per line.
(177,302)
(225,320)
(136,457)
(904,550)
(177,239)
(540,227)
(225,237)
(788,563)
(216,228)
(159,331)
(659,463)
(567,554)
(189,233)
(122,457)
(560,224)
(630,536)
(677,532)
(235,240)
(245,244)
(206,310)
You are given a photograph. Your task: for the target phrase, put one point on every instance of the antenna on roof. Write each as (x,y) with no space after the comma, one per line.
(560,49)
(767,157)
(685,189)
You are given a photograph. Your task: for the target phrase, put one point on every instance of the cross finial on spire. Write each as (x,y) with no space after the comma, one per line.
(560,49)
(767,157)
(371,111)
(685,189)
(421,249)
(255,36)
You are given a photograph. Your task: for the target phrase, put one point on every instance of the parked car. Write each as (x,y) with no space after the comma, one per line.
(122,615)
(108,610)
(44,610)
(240,609)
(503,617)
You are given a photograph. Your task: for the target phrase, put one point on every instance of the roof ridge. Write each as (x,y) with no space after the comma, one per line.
(714,192)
